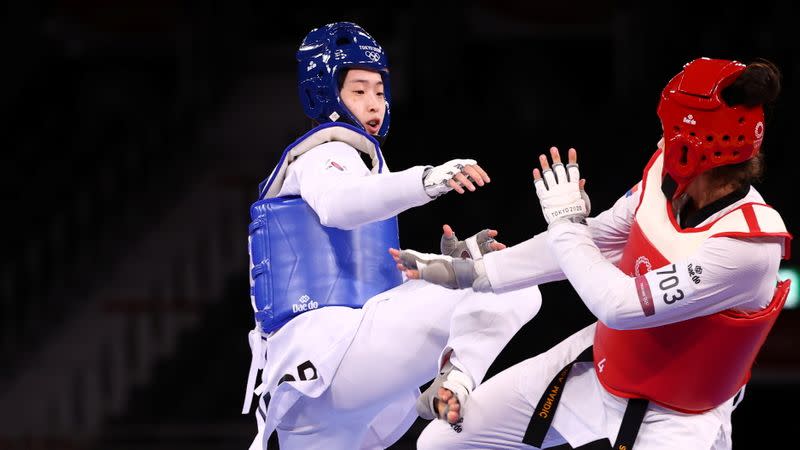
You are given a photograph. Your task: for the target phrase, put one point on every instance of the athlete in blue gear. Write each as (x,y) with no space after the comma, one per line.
(342,342)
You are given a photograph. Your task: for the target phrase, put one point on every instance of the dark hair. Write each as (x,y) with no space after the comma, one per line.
(759,84)
(341,76)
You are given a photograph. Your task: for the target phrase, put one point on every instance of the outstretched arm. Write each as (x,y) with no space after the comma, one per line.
(723,273)
(336,183)
(531,262)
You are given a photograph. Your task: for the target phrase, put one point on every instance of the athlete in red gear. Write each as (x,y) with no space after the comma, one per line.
(682,274)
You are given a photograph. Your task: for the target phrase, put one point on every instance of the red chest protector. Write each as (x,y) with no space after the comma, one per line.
(695,365)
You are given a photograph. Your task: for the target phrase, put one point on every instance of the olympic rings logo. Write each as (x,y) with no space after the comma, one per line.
(374,56)
(642,266)
(759,130)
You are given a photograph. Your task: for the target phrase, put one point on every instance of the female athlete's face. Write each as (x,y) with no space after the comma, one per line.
(362,94)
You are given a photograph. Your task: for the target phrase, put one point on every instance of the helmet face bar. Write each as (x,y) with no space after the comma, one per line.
(323,55)
(700,130)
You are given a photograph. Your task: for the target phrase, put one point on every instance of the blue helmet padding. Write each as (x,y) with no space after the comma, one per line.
(322,56)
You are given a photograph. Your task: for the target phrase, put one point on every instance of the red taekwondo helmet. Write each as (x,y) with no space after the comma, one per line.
(701,131)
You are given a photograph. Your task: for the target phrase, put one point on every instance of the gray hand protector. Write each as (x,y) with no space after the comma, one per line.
(454,273)
(588,202)
(473,247)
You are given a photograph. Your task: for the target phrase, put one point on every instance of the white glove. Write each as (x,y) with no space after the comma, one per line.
(435,179)
(560,195)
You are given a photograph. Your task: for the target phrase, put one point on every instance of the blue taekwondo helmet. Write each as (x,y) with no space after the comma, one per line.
(322,56)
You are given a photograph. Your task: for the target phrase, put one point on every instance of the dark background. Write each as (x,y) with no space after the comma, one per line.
(136,131)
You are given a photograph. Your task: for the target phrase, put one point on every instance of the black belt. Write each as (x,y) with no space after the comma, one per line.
(546,409)
(631,421)
(272,443)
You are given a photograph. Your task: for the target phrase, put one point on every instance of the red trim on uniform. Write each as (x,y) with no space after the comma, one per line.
(787,237)
(710,224)
(645,296)
(644,176)
(750,217)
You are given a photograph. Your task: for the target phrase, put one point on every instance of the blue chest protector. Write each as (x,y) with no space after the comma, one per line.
(298,265)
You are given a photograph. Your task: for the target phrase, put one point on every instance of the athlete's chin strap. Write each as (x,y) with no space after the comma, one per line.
(258,360)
